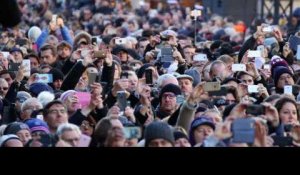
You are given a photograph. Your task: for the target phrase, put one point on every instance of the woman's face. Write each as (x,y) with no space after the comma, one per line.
(87,128)
(83,82)
(288,114)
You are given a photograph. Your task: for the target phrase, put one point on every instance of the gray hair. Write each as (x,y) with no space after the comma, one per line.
(29,101)
(161,79)
(67,127)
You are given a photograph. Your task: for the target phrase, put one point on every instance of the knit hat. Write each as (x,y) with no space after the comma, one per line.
(15,127)
(158,130)
(37,125)
(179,135)
(202,120)
(278,71)
(33,33)
(64,96)
(23,96)
(195,74)
(277,61)
(6,138)
(170,88)
(37,88)
(57,74)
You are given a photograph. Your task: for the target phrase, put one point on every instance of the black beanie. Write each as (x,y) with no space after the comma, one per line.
(179,135)
(57,74)
(158,130)
(170,88)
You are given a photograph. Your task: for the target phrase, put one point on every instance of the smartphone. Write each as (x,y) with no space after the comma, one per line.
(84,141)
(120,41)
(294,41)
(40,116)
(5,54)
(122,100)
(268,29)
(21,42)
(92,77)
(255,110)
(220,102)
(298,52)
(196,13)
(44,78)
(100,54)
(166,54)
(54,19)
(84,98)
(238,67)
(200,57)
(14,67)
(180,99)
(267,67)
(254,53)
(221,92)
(212,86)
(282,141)
(132,132)
(26,64)
(261,48)
(85,52)
(148,75)
(243,130)
(94,40)
(288,89)
(253,88)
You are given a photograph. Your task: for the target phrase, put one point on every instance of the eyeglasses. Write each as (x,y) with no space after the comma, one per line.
(4,88)
(56,111)
(171,96)
(87,124)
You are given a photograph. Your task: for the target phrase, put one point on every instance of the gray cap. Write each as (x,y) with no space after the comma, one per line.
(23,96)
(195,74)
(185,76)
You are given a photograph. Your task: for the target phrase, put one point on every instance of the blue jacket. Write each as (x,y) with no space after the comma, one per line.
(45,33)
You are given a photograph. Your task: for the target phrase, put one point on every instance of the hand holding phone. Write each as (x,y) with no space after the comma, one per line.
(132,132)
(212,86)
(243,130)
(148,75)
(122,100)
(255,110)
(238,67)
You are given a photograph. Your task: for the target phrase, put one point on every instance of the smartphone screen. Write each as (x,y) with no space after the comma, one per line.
(92,77)
(243,130)
(122,100)
(212,86)
(148,75)
(167,54)
(255,110)
(132,132)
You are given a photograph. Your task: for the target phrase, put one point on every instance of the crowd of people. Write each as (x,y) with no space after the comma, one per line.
(102,73)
